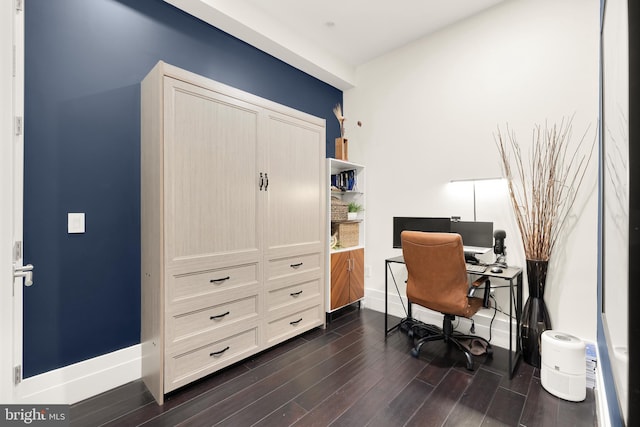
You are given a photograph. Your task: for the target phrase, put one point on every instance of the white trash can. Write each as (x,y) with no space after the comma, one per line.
(563,368)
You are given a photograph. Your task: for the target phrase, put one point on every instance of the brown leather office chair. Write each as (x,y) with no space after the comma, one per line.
(437,279)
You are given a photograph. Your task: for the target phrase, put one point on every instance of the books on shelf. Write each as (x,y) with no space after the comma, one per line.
(345,180)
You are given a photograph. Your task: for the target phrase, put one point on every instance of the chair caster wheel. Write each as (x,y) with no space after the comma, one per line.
(415,353)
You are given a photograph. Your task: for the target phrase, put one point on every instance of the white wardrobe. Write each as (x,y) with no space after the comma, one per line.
(233,226)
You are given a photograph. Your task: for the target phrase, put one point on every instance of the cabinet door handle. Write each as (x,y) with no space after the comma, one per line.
(295,294)
(296,265)
(295,322)
(266,181)
(218,353)
(219,316)
(261,182)
(216,281)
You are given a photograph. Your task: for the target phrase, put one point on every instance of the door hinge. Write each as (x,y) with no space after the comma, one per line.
(17,374)
(19,124)
(19,5)
(17,251)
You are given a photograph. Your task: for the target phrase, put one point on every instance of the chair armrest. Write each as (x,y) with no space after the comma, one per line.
(480,281)
(483,280)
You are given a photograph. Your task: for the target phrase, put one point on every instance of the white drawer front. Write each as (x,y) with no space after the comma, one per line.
(203,283)
(283,267)
(186,367)
(187,325)
(294,324)
(293,294)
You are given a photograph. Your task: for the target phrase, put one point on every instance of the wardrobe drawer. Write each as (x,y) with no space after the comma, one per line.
(283,267)
(294,324)
(183,368)
(293,294)
(203,283)
(186,325)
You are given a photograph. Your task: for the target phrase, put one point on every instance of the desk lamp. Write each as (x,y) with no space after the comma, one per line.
(473,183)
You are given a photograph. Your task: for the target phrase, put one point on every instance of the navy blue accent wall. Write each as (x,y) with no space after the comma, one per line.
(84,63)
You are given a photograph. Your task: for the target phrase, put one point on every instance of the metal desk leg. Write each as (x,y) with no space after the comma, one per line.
(519,313)
(386,296)
(511,328)
(514,358)
(387,271)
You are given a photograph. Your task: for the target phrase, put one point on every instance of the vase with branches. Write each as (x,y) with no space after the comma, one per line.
(341,143)
(542,189)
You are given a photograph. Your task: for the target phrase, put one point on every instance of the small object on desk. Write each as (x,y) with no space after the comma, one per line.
(476,268)
(496,270)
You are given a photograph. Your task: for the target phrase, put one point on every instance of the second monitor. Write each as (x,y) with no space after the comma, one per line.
(477,236)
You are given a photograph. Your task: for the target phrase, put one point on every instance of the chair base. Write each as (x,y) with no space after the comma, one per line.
(422,333)
(416,329)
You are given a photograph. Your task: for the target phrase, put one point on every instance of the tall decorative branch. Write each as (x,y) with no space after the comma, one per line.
(543,191)
(337,111)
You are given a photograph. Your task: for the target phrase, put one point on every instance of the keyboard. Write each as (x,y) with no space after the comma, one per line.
(476,268)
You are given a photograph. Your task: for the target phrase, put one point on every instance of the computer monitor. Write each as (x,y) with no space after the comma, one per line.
(401,223)
(477,236)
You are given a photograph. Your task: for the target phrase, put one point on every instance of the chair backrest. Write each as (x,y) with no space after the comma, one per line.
(437,274)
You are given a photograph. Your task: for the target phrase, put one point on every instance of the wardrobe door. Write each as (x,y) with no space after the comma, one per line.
(294,221)
(211,178)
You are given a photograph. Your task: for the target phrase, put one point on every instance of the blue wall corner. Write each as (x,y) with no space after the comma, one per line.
(84,63)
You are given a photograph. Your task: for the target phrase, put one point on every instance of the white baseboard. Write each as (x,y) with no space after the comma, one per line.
(374,299)
(82,380)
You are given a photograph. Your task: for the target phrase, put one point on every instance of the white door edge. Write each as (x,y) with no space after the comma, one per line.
(6,190)
(11,192)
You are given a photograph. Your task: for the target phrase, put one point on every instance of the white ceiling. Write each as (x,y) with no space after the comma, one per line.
(330,38)
(365,29)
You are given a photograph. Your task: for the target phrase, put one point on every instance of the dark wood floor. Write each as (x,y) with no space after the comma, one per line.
(347,375)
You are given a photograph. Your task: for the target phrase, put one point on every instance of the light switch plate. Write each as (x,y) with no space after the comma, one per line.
(75,222)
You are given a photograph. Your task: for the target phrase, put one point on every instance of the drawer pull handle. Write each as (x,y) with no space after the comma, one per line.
(218,316)
(218,353)
(295,322)
(216,281)
(295,294)
(296,265)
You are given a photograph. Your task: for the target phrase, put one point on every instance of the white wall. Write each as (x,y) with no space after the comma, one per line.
(429,112)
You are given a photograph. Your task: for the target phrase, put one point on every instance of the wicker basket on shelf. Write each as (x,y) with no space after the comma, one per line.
(348,233)
(338,209)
